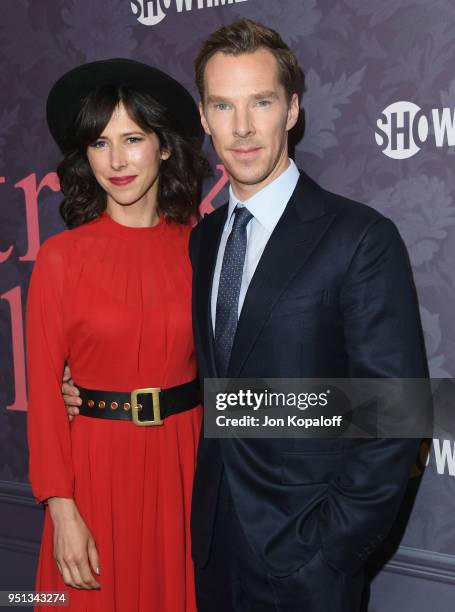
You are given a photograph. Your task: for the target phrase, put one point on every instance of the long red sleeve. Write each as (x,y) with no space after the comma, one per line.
(51,472)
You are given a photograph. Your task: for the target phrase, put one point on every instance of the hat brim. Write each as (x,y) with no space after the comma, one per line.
(66,96)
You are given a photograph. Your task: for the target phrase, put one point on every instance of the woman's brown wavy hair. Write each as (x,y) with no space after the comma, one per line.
(180,176)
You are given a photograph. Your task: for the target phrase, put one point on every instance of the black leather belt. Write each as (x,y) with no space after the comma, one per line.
(145,407)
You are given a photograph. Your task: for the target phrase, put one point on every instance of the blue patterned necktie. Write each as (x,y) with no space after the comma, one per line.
(227,302)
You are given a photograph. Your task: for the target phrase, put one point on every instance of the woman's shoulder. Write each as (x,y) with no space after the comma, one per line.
(51,258)
(62,244)
(55,245)
(181,231)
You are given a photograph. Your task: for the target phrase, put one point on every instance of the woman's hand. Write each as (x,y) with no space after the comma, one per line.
(74,547)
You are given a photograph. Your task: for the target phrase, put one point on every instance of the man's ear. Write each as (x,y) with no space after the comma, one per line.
(205,125)
(293,112)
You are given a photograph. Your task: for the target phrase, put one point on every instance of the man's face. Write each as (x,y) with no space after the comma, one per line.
(248,115)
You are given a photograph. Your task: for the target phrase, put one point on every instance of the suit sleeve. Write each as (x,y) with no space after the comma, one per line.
(383,340)
(51,471)
(194,244)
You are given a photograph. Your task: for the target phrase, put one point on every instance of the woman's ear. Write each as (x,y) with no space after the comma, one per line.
(165,154)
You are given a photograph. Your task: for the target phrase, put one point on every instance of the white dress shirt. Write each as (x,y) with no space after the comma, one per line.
(266,206)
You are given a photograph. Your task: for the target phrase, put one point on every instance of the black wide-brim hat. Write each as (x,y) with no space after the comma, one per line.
(66,96)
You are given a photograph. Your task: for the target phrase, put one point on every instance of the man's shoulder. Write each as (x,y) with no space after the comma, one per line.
(351,208)
(212,217)
(208,220)
(349,212)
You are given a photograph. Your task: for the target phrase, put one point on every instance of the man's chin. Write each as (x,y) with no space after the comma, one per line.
(247,176)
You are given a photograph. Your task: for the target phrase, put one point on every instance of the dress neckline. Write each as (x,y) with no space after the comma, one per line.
(124,231)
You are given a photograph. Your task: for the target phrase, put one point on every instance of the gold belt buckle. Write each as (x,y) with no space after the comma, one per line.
(135,407)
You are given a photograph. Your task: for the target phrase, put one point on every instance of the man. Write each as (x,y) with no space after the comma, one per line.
(325,292)
(290,281)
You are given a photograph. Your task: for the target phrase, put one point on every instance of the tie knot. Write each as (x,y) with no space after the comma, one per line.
(242,216)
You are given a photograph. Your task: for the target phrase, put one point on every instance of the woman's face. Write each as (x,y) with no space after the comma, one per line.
(126,161)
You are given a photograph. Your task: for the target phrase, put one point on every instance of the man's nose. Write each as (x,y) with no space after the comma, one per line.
(243,123)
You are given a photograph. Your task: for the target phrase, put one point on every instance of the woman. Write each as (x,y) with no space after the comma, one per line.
(111,297)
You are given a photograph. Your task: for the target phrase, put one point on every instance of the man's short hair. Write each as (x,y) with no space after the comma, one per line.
(247,36)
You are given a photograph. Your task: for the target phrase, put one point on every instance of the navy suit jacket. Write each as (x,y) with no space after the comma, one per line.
(332,296)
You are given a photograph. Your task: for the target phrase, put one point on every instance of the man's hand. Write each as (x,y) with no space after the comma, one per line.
(74,547)
(70,394)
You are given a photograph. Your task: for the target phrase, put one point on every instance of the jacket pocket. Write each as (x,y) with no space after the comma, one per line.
(294,304)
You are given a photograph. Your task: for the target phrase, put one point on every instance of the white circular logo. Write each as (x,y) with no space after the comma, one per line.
(149,12)
(401,130)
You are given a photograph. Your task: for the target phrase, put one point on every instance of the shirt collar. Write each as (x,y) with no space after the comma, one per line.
(268,204)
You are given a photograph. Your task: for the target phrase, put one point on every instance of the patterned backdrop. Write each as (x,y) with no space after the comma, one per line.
(379,113)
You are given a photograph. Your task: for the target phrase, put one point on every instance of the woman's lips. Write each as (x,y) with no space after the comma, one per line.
(121,180)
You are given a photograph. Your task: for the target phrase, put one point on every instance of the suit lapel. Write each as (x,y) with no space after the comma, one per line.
(212,229)
(301,227)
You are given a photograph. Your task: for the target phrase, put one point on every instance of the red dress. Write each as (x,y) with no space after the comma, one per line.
(115,302)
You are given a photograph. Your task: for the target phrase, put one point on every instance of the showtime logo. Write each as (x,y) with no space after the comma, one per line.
(403,128)
(442,455)
(151,12)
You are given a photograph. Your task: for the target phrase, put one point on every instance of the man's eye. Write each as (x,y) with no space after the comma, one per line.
(221,106)
(263,102)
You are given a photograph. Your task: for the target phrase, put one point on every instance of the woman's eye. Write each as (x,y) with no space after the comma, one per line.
(98,144)
(134,139)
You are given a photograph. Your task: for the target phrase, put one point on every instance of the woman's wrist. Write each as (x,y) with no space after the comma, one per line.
(62,508)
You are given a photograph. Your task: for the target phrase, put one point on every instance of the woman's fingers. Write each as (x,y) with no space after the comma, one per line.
(59,565)
(74,546)
(77,574)
(93,557)
(88,579)
(81,574)
(66,574)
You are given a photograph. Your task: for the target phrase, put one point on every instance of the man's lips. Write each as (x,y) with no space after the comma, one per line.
(121,180)
(245,152)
